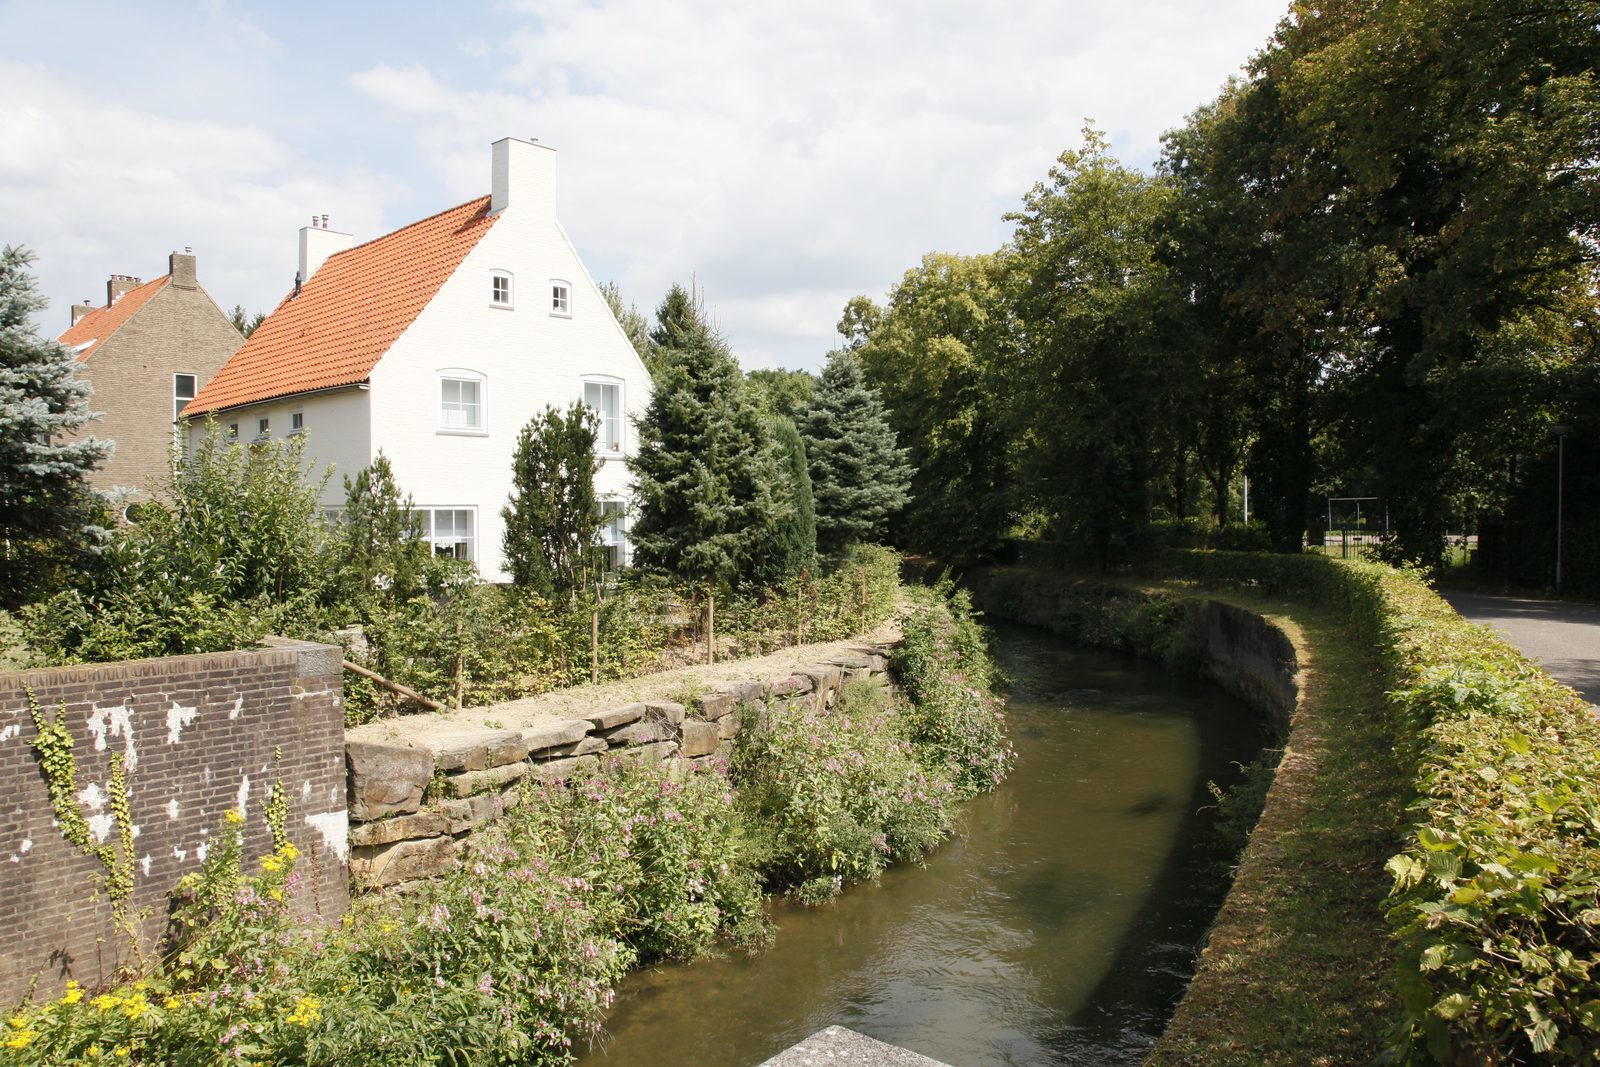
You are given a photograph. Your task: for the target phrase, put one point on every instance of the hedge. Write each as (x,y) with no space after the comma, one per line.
(1495,905)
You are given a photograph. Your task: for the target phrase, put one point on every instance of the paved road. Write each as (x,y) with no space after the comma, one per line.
(1563,638)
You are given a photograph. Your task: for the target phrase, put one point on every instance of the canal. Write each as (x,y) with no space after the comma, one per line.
(1059,925)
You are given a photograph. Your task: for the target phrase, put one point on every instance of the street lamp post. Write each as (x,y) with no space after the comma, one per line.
(1561,477)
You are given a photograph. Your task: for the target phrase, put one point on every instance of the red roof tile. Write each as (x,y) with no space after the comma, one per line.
(93,329)
(354,307)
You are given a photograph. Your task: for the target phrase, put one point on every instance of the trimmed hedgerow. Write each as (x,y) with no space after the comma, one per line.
(1496,895)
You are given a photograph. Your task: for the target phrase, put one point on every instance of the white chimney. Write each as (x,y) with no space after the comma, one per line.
(525,175)
(317,243)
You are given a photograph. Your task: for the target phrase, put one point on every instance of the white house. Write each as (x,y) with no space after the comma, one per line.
(436,343)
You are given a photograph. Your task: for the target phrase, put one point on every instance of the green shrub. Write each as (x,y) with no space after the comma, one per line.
(1496,900)
(953,719)
(837,794)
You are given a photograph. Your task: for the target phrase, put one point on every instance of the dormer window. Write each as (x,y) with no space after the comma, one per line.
(500,289)
(560,298)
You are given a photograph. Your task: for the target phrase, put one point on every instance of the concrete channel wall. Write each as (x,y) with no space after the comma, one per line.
(421,785)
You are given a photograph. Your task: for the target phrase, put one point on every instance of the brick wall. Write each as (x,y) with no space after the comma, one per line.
(198,734)
(180,330)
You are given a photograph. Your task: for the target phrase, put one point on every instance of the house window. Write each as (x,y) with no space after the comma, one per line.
(262,428)
(606,400)
(449,530)
(233,431)
(614,534)
(500,289)
(182,393)
(297,423)
(461,404)
(560,294)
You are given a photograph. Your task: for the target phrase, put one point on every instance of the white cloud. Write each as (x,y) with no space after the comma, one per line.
(97,187)
(788,155)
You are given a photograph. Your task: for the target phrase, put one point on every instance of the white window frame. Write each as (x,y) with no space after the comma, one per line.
(233,431)
(614,532)
(461,374)
(263,428)
(181,402)
(511,293)
(560,298)
(427,518)
(297,423)
(603,440)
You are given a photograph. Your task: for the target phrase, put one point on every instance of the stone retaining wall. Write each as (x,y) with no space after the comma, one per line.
(420,786)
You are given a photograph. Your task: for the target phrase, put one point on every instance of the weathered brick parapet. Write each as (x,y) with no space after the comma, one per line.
(197,736)
(420,786)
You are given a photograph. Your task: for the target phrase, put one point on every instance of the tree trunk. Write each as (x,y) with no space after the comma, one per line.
(711,625)
(594,647)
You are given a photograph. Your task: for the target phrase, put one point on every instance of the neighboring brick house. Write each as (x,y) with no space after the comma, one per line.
(147,352)
(435,344)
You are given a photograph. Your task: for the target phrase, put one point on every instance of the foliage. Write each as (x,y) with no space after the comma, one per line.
(953,720)
(780,392)
(378,549)
(552,522)
(245,322)
(792,546)
(842,597)
(859,473)
(837,793)
(49,519)
(706,474)
(1495,907)
(938,354)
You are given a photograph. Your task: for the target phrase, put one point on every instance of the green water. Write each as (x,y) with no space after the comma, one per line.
(1058,926)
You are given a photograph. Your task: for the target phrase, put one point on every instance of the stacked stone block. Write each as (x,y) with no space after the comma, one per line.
(415,800)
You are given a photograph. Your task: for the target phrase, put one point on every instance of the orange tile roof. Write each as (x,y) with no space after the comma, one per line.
(354,307)
(93,329)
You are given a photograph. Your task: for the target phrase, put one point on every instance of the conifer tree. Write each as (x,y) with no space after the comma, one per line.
(859,474)
(793,544)
(380,546)
(705,475)
(47,512)
(553,518)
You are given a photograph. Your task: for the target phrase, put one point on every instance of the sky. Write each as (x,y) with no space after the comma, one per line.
(784,156)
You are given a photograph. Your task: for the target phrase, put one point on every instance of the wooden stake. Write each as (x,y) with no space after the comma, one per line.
(594,647)
(711,625)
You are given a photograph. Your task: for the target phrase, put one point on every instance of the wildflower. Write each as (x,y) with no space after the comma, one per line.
(105,1001)
(19,1022)
(289,852)
(172,1003)
(306,1011)
(73,994)
(271,863)
(20,1039)
(233,816)
(121,1051)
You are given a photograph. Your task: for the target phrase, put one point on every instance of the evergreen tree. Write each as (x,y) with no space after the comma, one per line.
(680,319)
(793,544)
(553,517)
(706,475)
(859,474)
(47,513)
(380,547)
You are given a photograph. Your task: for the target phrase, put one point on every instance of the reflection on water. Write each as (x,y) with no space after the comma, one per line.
(1058,926)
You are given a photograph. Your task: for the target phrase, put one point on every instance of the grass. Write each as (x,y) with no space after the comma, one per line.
(1296,969)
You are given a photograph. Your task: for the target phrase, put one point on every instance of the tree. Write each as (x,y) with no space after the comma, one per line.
(859,474)
(793,544)
(938,355)
(380,549)
(552,521)
(633,323)
(781,392)
(244,322)
(706,476)
(47,512)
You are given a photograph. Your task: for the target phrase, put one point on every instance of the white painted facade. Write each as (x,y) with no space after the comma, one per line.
(523,356)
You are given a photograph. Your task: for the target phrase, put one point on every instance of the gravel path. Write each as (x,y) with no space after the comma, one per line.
(1564,638)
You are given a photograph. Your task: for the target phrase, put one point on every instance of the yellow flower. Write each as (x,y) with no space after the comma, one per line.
(289,852)
(275,894)
(73,994)
(233,816)
(21,1039)
(305,1011)
(271,863)
(388,926)
(121,1051)
(105,1001)
(19,1022)
(94,1052)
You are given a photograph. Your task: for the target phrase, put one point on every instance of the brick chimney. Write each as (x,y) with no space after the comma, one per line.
(317,243)
(180,265)
(80,310)
(119,284)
